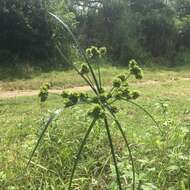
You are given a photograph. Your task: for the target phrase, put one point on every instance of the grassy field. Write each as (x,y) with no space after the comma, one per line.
(162,161)
(28,78)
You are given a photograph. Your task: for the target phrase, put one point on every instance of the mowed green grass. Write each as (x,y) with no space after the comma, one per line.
(28,78)
(162,161)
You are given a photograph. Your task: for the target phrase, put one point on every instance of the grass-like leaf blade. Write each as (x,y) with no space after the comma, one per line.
(80,151)
(148,113)
(78,47)
(51,118)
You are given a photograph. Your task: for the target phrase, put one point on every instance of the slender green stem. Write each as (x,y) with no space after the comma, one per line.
(113,101)
(87,76)
(87,80)
(105,163)
(126,142)
(113,153)
(54,114)
(80,151)
(128,76)
(79,49)
(143,109)
(112,90)
(91,70)
(99,74)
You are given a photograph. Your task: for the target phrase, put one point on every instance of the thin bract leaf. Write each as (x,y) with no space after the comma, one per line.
(80,151)
(78,47)
(149,114)
(126,142)
(51,118)
(113,153)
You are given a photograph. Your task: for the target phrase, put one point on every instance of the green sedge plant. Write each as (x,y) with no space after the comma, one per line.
(103,100)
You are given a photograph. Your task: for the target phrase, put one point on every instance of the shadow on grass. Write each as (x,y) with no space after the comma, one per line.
(27,71)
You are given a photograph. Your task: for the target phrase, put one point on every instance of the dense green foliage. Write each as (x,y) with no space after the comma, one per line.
(135,28)
(26,31)
(24,28)
(129,28)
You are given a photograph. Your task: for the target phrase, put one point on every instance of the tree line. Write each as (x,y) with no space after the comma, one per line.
(128,28)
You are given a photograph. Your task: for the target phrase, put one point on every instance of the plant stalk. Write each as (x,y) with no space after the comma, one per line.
(126,142)
(113,153)
(143,109)
(79,49)
(80,151)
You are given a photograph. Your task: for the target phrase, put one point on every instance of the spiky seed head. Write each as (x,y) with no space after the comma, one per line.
(132,63)
(118,94)
(103,51)
(135,95)
(96,112)
(95,52)
(125,84)
(43,94)
(89,52)
(47,85)
(136,71)
(102,90)
(139,75)
(117,83)
(122,77)
(65,94)
(73,97)
(83,96)
(84,69)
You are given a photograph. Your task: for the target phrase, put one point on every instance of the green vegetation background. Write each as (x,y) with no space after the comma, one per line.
(151,31)
(145,30)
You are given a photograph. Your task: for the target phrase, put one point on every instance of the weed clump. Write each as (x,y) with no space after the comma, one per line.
(102,101)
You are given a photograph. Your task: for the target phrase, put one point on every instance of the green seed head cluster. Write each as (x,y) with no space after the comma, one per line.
(94,53)
(89,53)
(126,93)
(122,77)
(83,97)
(114,109)
(103,97)
(121,93)
(117,83)
(74,98)
(121,88)
(44,92)
(120,80)
(84,69)
(103,51)
(65,94)
(135,69)
(135,95)
(96,112)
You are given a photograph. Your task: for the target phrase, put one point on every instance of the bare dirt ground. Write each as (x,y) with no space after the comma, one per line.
(14,94)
